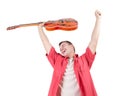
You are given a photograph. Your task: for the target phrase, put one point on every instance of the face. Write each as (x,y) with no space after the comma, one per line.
(66,49)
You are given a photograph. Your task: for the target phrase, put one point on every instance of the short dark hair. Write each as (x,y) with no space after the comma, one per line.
(68,43)
(65,42)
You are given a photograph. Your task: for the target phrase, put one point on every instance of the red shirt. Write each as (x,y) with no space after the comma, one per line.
(82,65)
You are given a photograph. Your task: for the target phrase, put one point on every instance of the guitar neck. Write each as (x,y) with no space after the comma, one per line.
(23,25)
(29,24)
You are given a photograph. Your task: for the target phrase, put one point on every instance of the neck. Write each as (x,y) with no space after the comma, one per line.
(71,55)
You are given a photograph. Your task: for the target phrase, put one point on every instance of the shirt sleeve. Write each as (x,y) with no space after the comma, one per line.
(52,56)
(89,57)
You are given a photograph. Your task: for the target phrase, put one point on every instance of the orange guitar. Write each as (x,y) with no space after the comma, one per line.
(66,24)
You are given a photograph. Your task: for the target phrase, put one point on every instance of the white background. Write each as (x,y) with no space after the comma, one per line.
(24,68)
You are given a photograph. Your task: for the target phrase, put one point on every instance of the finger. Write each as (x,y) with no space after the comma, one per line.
(98,13)
(41,24)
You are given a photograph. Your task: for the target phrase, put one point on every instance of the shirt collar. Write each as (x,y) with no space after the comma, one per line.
(75,56)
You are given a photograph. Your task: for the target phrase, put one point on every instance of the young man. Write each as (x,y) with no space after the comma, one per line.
(71,76)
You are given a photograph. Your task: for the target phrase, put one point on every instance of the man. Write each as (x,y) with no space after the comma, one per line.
(71,76)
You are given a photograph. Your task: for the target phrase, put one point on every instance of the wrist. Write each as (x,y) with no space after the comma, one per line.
(98,19)
(40,28)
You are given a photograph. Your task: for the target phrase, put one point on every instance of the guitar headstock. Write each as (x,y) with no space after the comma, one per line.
(12,27)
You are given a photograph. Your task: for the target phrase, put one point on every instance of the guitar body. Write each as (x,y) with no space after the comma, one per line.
(66,24)
(61,24)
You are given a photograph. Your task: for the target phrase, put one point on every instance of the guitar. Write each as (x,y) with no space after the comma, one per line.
(66,24)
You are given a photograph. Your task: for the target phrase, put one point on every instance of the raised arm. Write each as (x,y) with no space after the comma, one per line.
(95,33)
(47,45)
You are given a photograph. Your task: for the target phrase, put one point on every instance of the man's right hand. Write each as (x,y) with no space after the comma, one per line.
(41,25)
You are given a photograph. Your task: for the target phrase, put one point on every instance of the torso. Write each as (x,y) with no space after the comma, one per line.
(69,85)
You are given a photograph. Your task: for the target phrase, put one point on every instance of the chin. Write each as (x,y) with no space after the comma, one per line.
(65,55)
